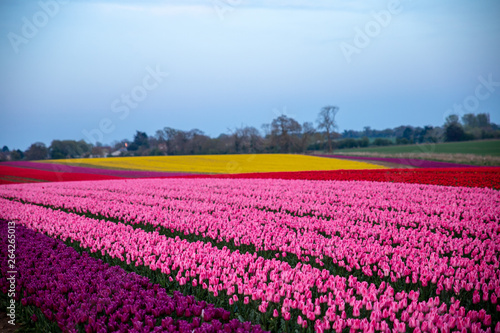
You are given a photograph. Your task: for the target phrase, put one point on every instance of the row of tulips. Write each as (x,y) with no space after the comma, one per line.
(13,175)
(78,292)
(456,176)
(447,238)
(308,296)
(69,170)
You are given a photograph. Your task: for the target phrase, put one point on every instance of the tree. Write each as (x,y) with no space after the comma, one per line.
(407,134)
(285,133)
(451,119)
(429,134)
(37,151)
(176,141)
(326,121)
(382,142)
(255,144)
(308,133)
(469,120)
(364,142)
(16,155)
(140,141)
(69,149)
(367,131)
(57,150)
(4,153)
(483,120)
(454,132)
(197,142)
(222,144)
(246,140)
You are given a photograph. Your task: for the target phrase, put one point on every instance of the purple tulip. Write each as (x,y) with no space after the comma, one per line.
(72,289)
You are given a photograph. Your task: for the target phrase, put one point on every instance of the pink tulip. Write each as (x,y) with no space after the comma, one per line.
(421,246)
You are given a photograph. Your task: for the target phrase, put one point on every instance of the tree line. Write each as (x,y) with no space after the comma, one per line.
(283,135)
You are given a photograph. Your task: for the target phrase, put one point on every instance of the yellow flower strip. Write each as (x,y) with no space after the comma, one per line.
(244,163)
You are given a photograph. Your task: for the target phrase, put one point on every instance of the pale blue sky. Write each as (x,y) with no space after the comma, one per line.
(232,63)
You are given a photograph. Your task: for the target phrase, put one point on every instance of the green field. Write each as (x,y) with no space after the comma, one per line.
(483,147)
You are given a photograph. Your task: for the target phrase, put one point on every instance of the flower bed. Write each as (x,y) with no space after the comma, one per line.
(11,175)
(317,254)
(78,292)
(470,177)
(239,163)
(277,221)
(54,167)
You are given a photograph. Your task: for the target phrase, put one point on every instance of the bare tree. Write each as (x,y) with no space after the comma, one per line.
(256,143)
(285,133)
(307,135)
(246,140)
(326,121)
(176,140)
(197,142)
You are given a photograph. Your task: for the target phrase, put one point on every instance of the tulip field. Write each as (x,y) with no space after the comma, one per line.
(464,176)
(97,287)
(12,172)
(240,163)
(12,175)
(255,254)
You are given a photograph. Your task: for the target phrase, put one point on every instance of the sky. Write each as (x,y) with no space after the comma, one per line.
(99,70)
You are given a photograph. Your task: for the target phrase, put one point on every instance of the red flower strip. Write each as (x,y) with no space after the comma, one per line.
(467,177)
(9,174)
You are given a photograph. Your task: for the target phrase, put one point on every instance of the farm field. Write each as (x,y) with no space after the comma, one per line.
(411,162)
(480,153)
(13,175)
(469,176)
(227,164)
(483,147)
(28,171)
(279,255)
(98,169)
(190,167)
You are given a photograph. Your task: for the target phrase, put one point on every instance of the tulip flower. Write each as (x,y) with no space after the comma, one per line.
(367,250)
